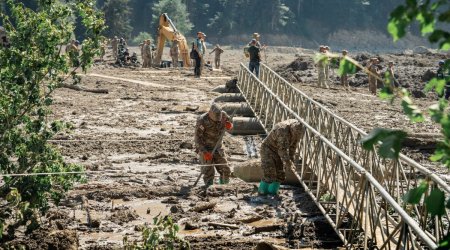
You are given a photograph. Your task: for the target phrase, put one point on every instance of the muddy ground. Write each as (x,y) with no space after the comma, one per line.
(140,135)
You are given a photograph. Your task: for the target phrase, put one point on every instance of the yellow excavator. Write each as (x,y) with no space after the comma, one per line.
(168,31)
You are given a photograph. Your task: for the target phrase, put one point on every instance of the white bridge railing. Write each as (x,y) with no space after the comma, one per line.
(364,191)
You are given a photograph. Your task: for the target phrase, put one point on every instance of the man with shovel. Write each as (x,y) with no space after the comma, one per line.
(277,154)
(209,132)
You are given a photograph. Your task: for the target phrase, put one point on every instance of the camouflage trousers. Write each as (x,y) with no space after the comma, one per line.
(147,62)
(322,77)
(175,61)
(217,62)
(208,171)
(344,80)
(373,85)
(272,166)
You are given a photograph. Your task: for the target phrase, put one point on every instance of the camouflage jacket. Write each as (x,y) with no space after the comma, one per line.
(283,140)
(208,132)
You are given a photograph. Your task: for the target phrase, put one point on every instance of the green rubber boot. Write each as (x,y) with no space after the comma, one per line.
(263,187)
(224,181)
(209,183)
(274,187)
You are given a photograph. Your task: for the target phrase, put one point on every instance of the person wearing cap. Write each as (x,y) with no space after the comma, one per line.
(217,52)
(198,48)
(74,52)
(327,66)
(277,154)
(373,75)
(321,67)
(115,46)
(440,74)
(209,131)
(344,77)
(255,57)
(174,53)
(147,55)
(203,51)
(390,76)
(256,36)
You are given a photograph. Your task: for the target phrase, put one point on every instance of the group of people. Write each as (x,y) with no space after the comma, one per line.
(121,53)
(198,54)
(146,53)
(277,150)
(373,71)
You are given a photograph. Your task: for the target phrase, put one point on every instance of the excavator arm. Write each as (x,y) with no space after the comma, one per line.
(168,31)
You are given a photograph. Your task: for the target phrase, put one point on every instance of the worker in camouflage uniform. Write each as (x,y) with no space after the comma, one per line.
(321,67)
(373,68)
(141,48)
(277,154)
(327,66)
(147,55)
(103,45)
(344,77)
(174,53)
(217,52)
(441,74)
(115,47)
(390,76)
(74,53)
(203,62)
(209,131)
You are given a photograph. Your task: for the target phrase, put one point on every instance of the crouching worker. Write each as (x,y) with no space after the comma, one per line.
(277,154)
(209,132)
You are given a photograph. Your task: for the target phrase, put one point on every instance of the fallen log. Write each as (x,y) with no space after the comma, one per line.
(81,88)
(214,224)
(202,206)
(422,140)
(267,228)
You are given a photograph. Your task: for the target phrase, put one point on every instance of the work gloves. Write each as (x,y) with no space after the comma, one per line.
(228,125)
(207,156)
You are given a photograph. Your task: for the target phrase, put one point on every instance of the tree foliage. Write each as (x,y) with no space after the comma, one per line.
(177,12)
(31,69)
(118,15)
(162,235)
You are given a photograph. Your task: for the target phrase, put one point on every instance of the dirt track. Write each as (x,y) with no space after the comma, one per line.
(141,135)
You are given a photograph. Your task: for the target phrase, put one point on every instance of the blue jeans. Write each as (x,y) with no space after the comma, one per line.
(254,66)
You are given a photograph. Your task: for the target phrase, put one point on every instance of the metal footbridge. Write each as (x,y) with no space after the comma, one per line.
(366,207)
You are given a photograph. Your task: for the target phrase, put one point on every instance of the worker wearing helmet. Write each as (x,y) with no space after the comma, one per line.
(441,74)
(277,154)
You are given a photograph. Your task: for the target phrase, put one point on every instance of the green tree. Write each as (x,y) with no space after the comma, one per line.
(31,69)
(176,10)
(117,18)
(141,37)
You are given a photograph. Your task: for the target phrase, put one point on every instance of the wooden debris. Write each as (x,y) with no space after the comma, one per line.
(81,88)
(202,206)
(251,219)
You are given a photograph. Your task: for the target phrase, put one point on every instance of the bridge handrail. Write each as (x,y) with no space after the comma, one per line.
(245,77)
(431,176)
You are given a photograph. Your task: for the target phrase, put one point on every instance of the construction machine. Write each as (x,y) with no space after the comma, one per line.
(168,31)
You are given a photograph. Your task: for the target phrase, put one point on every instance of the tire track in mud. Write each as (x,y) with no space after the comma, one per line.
(150,84)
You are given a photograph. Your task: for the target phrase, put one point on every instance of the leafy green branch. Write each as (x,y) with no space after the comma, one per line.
(32,68)
(163,235)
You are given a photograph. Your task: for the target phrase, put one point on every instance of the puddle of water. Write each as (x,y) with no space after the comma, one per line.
(225,207)
(119,157)
(145,167)
(264,222)
(146,209)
